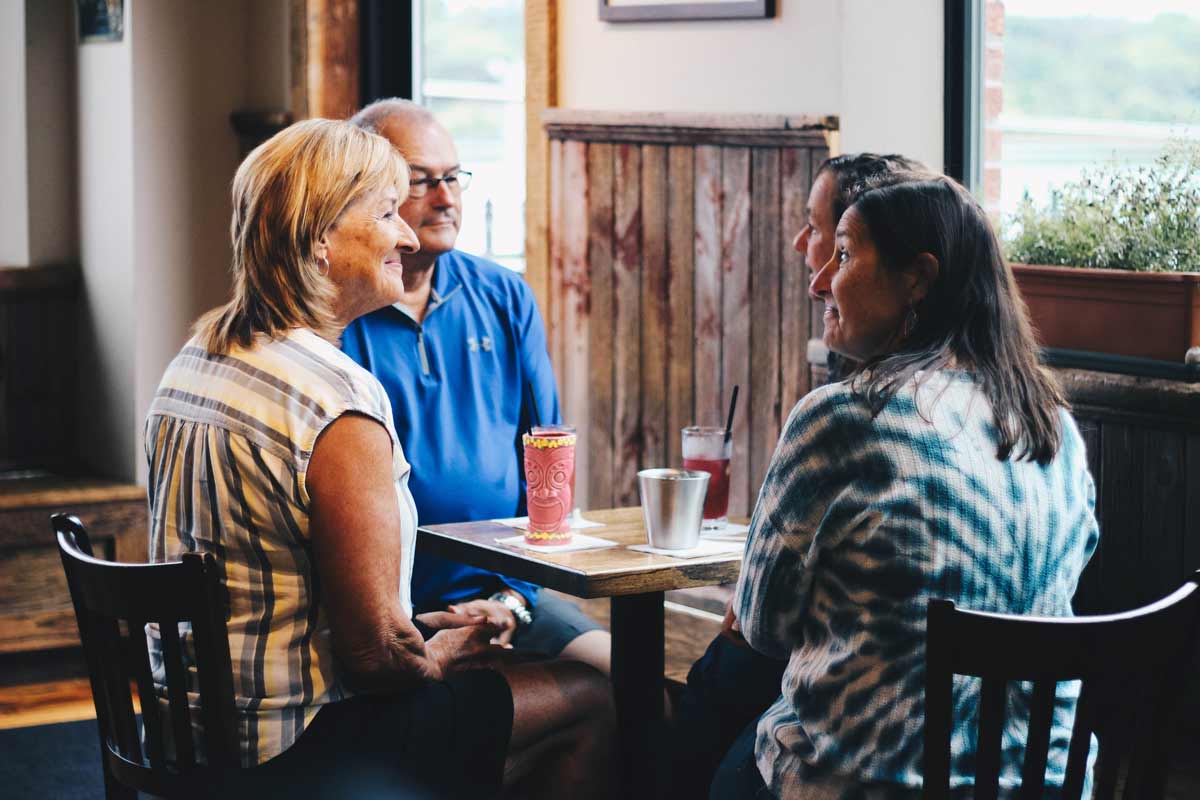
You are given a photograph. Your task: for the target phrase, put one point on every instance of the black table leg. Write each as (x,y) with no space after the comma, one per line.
(637,677)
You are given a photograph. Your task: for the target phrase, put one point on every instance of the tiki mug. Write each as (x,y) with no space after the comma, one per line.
(550,478)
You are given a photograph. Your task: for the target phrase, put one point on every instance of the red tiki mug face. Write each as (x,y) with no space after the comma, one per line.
(550,474)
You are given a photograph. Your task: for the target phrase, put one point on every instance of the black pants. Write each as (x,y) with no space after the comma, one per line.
(727,689)
(443,740)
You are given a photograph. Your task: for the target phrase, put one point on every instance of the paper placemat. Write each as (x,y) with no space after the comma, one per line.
(578,523)
(705,548)
(578,542)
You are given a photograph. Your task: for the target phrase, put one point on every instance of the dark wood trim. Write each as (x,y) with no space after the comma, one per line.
(962,67)
(660,12)
(744,130)
(386,61)
(255,127)
(54,277)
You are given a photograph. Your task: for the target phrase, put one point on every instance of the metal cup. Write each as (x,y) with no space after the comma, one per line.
(673,506)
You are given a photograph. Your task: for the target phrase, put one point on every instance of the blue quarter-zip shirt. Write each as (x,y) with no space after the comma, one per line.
(458,386)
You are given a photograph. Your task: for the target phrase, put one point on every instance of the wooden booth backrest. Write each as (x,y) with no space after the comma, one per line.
(673,279)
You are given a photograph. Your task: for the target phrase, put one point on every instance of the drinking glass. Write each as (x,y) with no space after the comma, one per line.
(558,427)
(707,449)
(550,486)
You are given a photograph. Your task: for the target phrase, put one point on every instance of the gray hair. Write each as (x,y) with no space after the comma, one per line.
(372,117)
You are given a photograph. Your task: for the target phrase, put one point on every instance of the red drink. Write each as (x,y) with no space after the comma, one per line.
(550,483)
(716,502)
(707,450)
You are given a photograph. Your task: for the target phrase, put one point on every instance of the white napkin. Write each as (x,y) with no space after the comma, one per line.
(578,542)
(577,522)
(705,548)
(731,532)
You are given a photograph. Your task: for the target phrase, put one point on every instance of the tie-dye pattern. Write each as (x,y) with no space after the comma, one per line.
(859,523)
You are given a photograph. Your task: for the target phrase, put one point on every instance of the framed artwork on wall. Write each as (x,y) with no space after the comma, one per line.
(653,10)
(101,20)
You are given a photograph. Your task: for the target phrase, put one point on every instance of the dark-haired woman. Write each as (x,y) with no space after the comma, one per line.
(948,466)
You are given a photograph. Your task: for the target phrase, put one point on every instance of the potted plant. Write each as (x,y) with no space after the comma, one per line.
(1112,264)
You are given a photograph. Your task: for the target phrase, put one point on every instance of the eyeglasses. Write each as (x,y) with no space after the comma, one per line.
(455,181)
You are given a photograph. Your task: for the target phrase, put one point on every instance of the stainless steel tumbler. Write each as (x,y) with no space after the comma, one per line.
(673,506)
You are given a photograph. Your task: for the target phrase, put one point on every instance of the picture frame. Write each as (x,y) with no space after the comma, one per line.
(663,10)
(101,20)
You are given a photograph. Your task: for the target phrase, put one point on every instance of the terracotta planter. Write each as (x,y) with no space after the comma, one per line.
(1143,314)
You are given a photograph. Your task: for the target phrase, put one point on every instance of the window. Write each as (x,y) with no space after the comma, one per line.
(1054,86)
(469,68)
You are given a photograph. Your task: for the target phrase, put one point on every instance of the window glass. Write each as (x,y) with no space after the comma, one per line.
(470,63)
(1075,83)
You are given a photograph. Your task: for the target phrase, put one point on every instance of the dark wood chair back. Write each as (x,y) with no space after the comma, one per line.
(1132,666)
(113,604)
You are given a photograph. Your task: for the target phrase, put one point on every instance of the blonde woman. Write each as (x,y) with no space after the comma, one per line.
(271,449)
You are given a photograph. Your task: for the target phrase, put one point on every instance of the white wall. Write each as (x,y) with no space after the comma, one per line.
(156,158)
(877,65)
(109,329)
(14,201)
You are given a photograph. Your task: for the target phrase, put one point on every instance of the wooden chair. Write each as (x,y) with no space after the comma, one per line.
(1133,666)
(113,603)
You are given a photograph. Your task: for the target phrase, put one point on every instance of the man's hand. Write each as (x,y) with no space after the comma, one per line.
(446,620)
(452,650)
(730,628)
(497,614)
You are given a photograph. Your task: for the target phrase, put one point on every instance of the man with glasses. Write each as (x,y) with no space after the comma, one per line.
(459,356)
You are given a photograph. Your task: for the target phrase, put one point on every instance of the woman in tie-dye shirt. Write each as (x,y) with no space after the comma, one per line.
(948,466)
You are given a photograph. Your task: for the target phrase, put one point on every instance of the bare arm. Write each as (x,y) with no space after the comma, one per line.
(355,530)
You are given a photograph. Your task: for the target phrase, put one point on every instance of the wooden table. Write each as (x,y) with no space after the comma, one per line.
(635,581)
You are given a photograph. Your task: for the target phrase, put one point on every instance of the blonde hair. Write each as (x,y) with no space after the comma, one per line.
(287,194)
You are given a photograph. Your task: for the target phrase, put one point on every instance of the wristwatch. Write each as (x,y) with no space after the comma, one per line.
(515,606)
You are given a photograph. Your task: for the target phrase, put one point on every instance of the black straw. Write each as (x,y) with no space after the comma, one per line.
(729,421)
(537,417)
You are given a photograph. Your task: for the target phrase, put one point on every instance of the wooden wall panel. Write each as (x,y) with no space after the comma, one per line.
(1163,506)
(1120,513)
(671,281)
(572,338)
(795,169)
(627,313)
(709,332)
(656,314)
(735,314)
(1089,596)
(601,354)
(552,311)
(765,331)
(681,210)
(1191,542)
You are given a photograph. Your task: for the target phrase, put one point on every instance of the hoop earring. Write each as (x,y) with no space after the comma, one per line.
(323,269)
(910,323)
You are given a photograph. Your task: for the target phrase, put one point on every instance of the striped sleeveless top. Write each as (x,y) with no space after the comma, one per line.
(229,438)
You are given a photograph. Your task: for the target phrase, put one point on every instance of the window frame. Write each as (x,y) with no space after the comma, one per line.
(963,100)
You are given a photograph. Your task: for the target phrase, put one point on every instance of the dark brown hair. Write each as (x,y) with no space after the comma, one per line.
(853,173)
(972,316)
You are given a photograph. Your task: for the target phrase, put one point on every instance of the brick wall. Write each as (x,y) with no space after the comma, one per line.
(993,103)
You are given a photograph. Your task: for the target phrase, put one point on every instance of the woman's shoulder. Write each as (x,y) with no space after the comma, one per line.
(315,372)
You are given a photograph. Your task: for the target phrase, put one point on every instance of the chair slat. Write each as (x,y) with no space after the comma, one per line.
(1081,743)
(151,718)
(103,593)
(116,685)
(177,695)
(1133,661)
(991,728)
(1037,744)
(214,666)
(939,690)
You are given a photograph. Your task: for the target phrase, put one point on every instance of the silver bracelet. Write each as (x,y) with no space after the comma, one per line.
(514,605)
